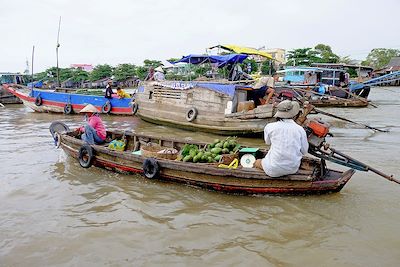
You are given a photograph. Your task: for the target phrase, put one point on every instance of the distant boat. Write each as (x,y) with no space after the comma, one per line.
(15,78)
(68,101)
(324,87)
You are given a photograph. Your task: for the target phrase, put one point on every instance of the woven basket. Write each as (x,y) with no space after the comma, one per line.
(153,151)
(228,158)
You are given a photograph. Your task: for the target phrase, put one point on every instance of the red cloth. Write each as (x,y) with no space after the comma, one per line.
(96,122)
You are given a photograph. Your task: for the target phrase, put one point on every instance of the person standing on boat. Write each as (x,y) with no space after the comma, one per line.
(109,90)
(288,142)
(94,131)
(159,74)
(264,87)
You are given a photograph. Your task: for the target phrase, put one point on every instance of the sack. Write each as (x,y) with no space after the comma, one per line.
(117,145)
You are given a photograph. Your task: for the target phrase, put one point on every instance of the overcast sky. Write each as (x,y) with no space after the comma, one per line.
(129,31)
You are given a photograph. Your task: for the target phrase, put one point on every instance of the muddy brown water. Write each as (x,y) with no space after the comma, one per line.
(54,213)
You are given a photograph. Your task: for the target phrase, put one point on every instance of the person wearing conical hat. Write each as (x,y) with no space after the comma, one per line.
(94,131)
(288,142)
(159,74)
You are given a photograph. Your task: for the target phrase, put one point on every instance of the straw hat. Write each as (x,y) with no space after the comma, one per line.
(89,108)
(287,109)
(159,69)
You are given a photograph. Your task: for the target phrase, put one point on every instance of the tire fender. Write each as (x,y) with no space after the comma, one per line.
(135,108)
(68,109)
(38,101)
(151,168)
(191,114)
(106,108)
(85,156)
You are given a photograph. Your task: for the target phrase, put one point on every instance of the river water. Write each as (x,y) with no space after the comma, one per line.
(54,213)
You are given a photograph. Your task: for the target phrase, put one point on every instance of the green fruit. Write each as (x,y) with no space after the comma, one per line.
(196,159)
(225,151)
(207,153)
(219,145)
(204,158)
(216,150)
(193,152)
(218,157)
(236,148)
(200,154)
(226,144)
(187,158)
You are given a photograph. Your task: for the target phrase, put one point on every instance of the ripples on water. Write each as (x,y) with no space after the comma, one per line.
(52,212)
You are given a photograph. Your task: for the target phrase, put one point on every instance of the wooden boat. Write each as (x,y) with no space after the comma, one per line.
(304,82)
(67,101)
(312,178)
(204,106)
(5,96)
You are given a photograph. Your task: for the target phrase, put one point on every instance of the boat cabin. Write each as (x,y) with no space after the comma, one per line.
(313,75)
(14,78)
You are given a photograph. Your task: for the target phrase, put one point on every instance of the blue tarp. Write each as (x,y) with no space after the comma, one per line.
(220,60)
(38,84)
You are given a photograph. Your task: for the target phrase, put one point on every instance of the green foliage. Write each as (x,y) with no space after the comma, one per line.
(124,71)
(172,59)
(380,57)
(151,63)
(141,72)
(306,56)
(100,72)
(267,67)
(253,63)
(324,52)
(79,75)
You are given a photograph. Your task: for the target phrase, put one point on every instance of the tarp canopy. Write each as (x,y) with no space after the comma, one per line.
(244,50)
(220,60)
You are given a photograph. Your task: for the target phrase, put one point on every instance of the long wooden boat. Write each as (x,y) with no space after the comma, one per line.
(204,106)
(313,177)
(64,101)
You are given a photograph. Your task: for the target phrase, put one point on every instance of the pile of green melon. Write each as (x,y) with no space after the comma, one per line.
(210,153)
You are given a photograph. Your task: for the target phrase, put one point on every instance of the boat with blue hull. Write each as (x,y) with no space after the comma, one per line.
(67,102)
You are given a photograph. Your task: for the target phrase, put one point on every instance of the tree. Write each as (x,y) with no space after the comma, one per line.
(100,72)
(378,58)
(267,67)
(253,64)
(124,71)
(151,63)
(79,75)
(300,57)
(324,52)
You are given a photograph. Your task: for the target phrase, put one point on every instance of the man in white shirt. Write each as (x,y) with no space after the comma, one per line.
(288,142)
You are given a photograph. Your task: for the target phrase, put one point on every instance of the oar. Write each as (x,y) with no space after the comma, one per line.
(341,118)
(368,168)
(344,119)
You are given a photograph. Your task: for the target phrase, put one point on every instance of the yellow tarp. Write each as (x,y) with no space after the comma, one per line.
(245,50)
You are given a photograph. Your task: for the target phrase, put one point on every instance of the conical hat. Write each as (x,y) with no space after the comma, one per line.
(89,108)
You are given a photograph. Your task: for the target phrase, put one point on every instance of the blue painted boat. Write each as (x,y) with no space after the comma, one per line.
(68,103)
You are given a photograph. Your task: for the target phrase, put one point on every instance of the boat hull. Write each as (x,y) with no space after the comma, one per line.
(55,102)
(168,106)
(8,98)
(209,176)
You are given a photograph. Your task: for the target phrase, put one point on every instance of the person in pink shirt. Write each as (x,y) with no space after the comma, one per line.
(94,131)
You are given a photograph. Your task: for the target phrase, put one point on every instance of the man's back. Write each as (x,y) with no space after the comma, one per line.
(288,144)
